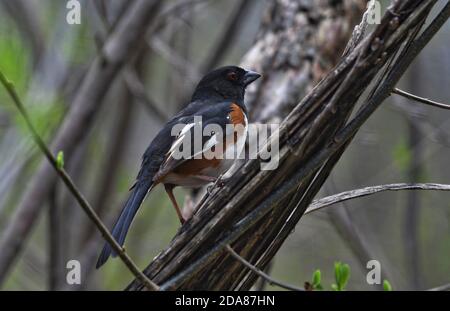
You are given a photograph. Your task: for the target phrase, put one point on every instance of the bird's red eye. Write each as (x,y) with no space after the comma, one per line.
(232,76)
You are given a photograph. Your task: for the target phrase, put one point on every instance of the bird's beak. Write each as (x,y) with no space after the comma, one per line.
(250,76)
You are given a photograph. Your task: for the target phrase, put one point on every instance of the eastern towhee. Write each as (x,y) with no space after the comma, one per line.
(218,99)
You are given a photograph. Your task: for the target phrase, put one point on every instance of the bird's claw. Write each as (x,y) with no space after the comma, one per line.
(218,182)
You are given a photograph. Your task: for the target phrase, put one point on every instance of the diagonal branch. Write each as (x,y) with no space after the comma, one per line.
(262,274)
(74,190)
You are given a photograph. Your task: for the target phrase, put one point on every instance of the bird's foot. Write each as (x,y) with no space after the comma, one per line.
(217,182)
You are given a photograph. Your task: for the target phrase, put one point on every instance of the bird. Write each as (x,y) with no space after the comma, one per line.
(218,99)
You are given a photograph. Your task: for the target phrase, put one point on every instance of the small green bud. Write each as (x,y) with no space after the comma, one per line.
(60,160)
(387,286)
(316,279)
(345,275)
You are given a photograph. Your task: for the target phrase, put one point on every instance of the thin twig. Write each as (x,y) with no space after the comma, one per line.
(357,193)
(265,276)
(73,189)
(422,100)
(261,284)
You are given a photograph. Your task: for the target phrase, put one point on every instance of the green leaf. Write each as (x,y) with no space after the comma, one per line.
(345,275)
(341,275)
(387,286)
(60,160)
(337,274)
(316,279)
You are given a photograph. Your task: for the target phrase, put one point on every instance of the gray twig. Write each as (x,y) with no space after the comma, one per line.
(357,193)
(420,99)
(262,274)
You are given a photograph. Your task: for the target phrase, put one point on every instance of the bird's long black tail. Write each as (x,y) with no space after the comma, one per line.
(123,223)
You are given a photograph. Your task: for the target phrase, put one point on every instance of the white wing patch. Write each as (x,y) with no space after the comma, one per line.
(215,139)
(211,142)
(176,144)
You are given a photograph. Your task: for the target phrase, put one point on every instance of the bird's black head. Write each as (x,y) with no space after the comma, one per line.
(225,83)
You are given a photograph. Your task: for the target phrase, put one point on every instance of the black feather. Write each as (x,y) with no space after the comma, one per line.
(124,221)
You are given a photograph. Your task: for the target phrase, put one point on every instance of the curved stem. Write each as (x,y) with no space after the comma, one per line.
(357,193)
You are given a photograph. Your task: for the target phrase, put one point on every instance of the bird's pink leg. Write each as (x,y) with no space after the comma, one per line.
(169,191)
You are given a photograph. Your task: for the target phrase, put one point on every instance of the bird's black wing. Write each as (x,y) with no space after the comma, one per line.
(152,161)
(212,129)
